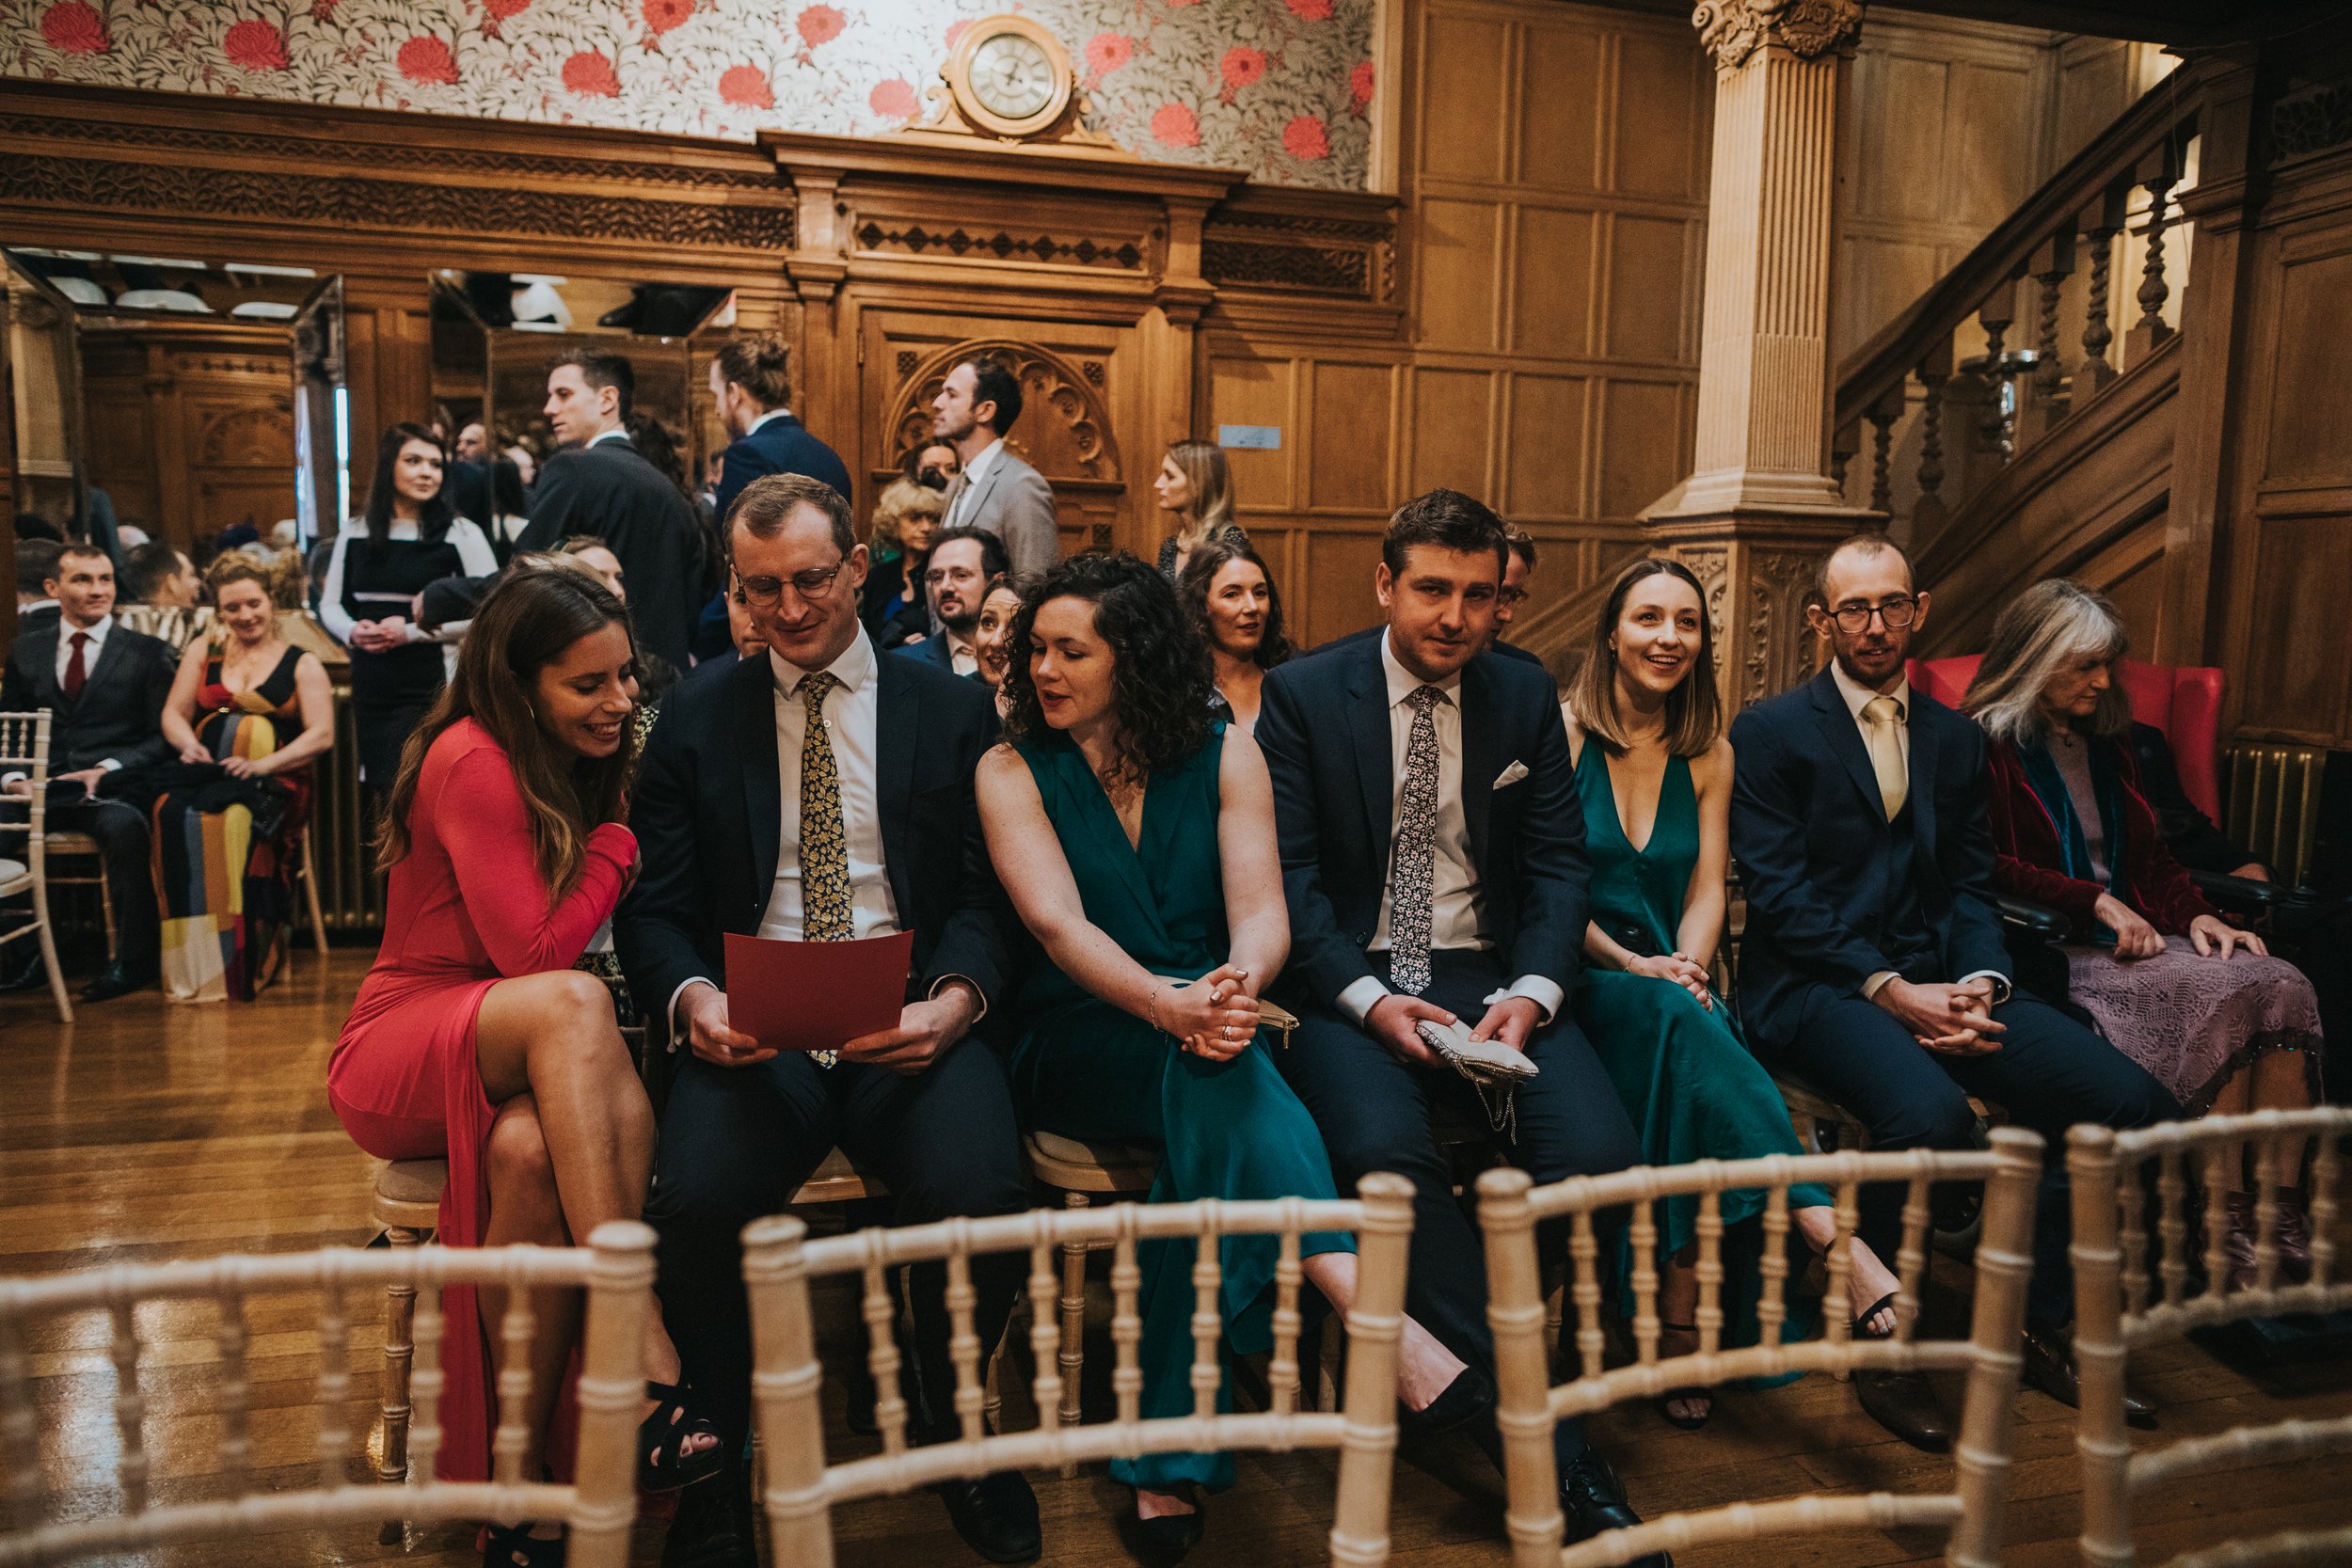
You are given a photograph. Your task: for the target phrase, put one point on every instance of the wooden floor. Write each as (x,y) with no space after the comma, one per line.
(150,1132)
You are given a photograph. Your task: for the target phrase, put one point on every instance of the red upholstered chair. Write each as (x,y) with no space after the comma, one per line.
(2184,702)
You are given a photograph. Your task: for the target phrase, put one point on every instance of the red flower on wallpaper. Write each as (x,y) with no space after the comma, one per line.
(74,28)
(428,59)
(1240,67)
(819,25)
(662,15)
(322,11)
(893,99)
(746,88)
(1107,51)
(499,10)
(591,75)
(1304,138)
(1359,88)
(1312,10)
(1174,125)
(256,45)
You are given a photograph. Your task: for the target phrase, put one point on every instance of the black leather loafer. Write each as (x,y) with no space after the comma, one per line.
(1904,1404)
(1594,1500)
(997,1515)
(114,980)
(2050,1366)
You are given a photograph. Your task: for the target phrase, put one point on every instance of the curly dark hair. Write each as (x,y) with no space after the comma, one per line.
(1160,674)
(1212,556)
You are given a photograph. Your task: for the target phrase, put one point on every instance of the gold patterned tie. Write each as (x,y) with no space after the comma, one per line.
(1884,716)
(824,844)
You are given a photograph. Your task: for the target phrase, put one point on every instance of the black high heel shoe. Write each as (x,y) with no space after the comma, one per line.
(663,1463)
(515,1547)
(1163,1541)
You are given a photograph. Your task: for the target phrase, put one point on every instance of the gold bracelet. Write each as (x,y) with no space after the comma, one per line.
(1152,1007)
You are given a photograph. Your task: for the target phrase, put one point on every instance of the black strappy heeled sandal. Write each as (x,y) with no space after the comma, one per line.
(663,1463)
(515,1547)
(1685,1423)
(1861,1320)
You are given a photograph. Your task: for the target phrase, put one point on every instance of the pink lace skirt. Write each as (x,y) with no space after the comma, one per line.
(2194,1021)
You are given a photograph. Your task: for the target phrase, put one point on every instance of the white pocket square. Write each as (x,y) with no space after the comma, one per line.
(1511,775)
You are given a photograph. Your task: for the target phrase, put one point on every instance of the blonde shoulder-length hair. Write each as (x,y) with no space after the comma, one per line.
(2045,628)
(1204,466)
(1694,715)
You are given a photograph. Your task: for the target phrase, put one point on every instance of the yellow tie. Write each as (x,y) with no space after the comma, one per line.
(824,844)
(1885,716)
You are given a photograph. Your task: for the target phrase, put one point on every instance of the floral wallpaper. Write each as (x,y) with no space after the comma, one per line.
(1280,88)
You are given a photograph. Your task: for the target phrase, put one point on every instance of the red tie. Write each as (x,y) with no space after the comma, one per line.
(74,673)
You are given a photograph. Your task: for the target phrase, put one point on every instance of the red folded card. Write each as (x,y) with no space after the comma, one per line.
(815,995)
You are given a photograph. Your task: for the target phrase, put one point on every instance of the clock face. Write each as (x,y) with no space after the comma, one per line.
(1010,75)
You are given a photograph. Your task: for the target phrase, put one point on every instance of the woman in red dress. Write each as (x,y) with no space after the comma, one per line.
(473,1038)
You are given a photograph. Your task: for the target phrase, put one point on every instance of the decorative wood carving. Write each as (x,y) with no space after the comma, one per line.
(1299,251)
(1711,565)
(2310,120)
(1778,581)
(915,240)
(247,437)
(1048,382)
(1732,30)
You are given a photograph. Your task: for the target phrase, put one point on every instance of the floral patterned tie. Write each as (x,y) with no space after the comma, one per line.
(1412,883)
(824,844)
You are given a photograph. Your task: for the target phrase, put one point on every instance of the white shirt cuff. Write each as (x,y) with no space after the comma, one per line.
(11,778)
(944,982)
(678,1024)
(1546,994)
(1359,997)
(2000,983)
(1875,983)
(109,765)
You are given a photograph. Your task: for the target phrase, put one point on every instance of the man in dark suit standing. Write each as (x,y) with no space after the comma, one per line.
(104,686)
(820,792)
(1432,858)
(600,484)
(754,394)
(1873,962)
(997,489)
(964,563)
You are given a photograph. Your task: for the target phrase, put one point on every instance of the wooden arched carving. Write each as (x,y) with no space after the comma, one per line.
(1064,430)
(248,438)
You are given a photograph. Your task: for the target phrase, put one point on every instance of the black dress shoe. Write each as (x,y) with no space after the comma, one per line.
(2050,1366)
(997,1515)
(1594,1502)
(712,1527)
(20,967)
(117,979)
(1163,1541)
(1904,1404)
(1465,1399)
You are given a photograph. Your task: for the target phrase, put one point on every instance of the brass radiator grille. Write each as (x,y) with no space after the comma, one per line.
(2270,802)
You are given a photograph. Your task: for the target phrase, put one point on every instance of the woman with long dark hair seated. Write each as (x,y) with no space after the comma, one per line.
(410,535)
(2198,1003)
(246,707)
(1136,837)
(1232,597)
(473,1038)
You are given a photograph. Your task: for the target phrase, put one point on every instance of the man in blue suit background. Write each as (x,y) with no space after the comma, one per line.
(750,384)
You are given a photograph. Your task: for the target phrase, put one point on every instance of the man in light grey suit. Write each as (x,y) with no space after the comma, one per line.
(996,490)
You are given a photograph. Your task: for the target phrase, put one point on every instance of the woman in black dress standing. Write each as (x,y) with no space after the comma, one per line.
(410,537)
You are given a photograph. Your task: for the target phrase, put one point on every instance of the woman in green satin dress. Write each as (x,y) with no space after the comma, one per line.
(1136,838)
(1654,771)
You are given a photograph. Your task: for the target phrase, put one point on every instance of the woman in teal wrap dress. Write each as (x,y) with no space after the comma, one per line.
(1652,765)
(1136,838)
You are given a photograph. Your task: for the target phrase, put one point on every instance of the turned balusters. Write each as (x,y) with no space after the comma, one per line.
(2106,221)
(2151,329)
(1928,514)
(1994,315)
(1883,415)
(2053,263)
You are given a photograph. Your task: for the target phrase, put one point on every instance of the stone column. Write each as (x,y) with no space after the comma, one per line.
(1759,506)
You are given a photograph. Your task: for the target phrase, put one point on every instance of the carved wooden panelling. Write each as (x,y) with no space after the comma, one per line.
(1002,246)
(246,437)
(1065,426)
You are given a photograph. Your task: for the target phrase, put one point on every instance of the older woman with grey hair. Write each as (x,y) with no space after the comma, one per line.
(2194,1000)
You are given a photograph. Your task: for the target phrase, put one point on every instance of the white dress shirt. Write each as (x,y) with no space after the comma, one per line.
(850,716)
(96,635)
(772,414)
(618,433)
(1456,893)
(973,473)
(960,658)
(1857,697)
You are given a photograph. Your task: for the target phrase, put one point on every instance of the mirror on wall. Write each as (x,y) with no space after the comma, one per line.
(494,333)
(176,398)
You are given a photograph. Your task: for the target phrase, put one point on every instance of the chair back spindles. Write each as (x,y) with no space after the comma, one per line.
(1208,1313)
(879,1309)
(784,1386)
(130,1404)
(1910,1258)
(515,1326)
(1375,1328)
(316,1488)
(334,1383)
(611,1393)
(1511,1210)
(1126,1321)
(780,1263)
(1282,1368)
(2113,1315)
(2132,1209)
(1584,1290)
(964,1338)
(1708,1231)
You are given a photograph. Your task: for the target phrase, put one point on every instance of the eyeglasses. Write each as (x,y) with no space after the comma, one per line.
(1898,613)
(812,585)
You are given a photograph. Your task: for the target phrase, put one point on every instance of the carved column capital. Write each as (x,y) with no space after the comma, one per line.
(1731,30)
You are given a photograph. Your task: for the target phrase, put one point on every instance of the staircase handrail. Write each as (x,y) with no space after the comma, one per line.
(2166,112)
